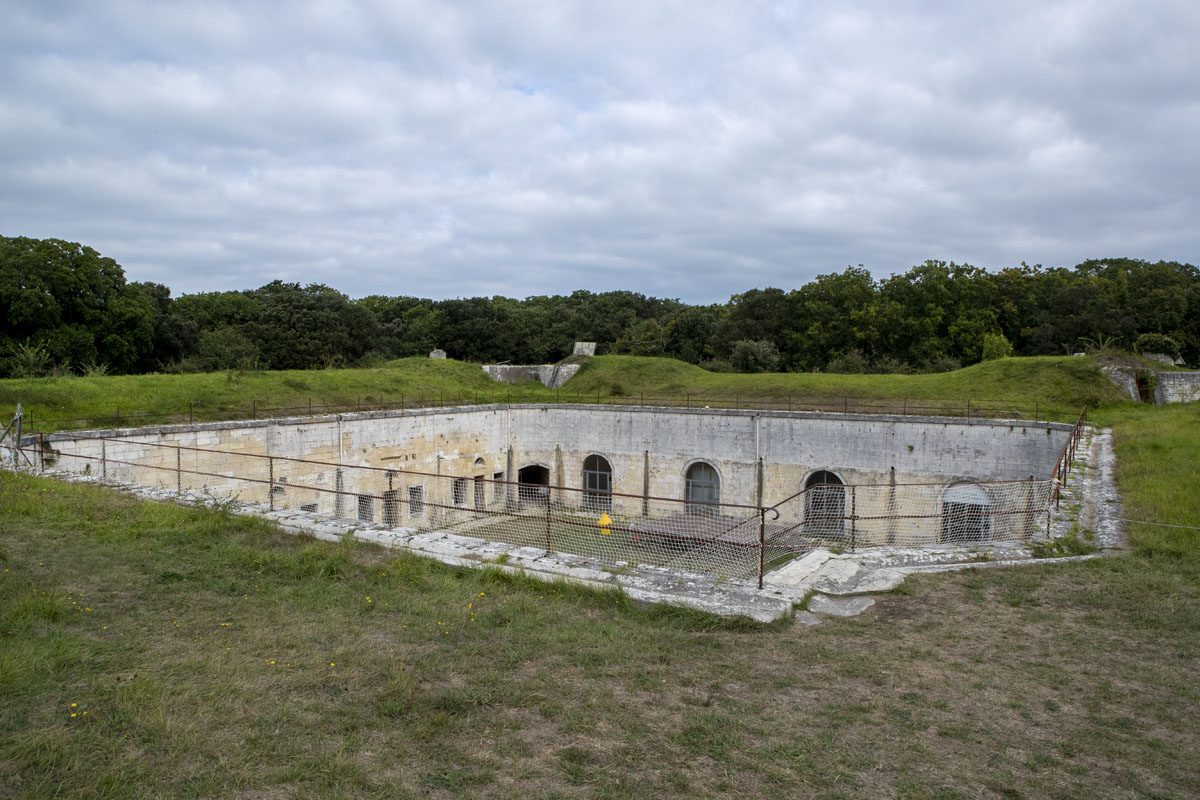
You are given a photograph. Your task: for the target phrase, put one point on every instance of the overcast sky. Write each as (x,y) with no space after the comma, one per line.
(679,149)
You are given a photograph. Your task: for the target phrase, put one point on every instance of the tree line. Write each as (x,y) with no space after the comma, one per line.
(64,308)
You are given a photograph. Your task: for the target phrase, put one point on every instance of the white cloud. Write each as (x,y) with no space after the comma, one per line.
(678,149)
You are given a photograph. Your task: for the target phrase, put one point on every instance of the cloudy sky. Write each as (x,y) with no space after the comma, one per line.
(680,149)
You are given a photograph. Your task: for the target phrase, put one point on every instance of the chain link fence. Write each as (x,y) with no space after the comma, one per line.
(619,530)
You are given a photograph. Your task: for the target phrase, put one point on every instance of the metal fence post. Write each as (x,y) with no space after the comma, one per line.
(271,482)
(42,451)
(549,549)
(853,517)
(762,543)
(178,472)
(103,460)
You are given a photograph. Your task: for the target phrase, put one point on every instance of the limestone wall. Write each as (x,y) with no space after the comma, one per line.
(552,376)
(1177,387)
(425,465)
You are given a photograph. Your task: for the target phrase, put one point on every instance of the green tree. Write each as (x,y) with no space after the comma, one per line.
(73,302)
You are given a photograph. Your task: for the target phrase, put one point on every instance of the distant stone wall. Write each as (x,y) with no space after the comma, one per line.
(1177,387)
(1124,378)
(1170,387)
(550,375)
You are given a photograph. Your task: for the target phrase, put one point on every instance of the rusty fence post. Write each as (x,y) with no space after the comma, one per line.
(762,544)
(271,482)
(549,549)
(178,472)
(103,460)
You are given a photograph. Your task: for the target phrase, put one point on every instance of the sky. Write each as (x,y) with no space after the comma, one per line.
(689,150)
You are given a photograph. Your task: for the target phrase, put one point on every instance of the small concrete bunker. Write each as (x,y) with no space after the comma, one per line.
(722,493)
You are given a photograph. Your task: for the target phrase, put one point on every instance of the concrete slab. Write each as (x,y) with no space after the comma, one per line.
(839,606)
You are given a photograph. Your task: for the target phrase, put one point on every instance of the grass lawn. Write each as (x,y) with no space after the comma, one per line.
(151,651)
(1053,387)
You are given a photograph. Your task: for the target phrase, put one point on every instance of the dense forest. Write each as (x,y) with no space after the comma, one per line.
(64,308)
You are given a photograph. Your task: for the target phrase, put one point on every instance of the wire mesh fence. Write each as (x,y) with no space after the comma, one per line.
(619,530)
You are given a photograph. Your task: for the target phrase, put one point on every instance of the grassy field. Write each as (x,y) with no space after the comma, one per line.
(154,651)
(1052,380)
(77,402)
(1050,386)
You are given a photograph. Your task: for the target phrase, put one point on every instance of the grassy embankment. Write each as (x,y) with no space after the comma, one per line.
(145,399)
(1028,386)
(148,650)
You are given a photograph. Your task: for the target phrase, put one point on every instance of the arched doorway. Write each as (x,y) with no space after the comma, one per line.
(534,484)
(597,483)
(825,506)
(966,514)
(702,489)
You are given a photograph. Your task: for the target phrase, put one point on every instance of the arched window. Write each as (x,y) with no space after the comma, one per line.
(825,506)
(597,484)
(966,514)
(702,489)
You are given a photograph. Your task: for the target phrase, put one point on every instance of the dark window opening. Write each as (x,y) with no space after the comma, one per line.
(460,491)
(416,501)
(825,506)
(702,489)
(366,508)
(480,496)
(533,484)
(597,484)
(966,514)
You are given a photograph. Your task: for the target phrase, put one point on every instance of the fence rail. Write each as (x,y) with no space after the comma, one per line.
(618,529)
(1063,466)
(45,420)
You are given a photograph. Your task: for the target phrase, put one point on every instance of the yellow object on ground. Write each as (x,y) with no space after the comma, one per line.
(605,523)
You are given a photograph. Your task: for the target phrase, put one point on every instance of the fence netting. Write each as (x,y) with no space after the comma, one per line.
(619,530)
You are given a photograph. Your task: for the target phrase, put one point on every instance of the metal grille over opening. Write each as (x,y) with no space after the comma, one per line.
(703,489)
(597,483)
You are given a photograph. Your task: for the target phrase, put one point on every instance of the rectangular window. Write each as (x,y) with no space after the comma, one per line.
(498,486)
(416,501)
(309,507)
(460,491)
(366,508)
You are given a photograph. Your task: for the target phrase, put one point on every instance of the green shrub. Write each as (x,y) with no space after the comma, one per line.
(996,345)
(1156,343)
